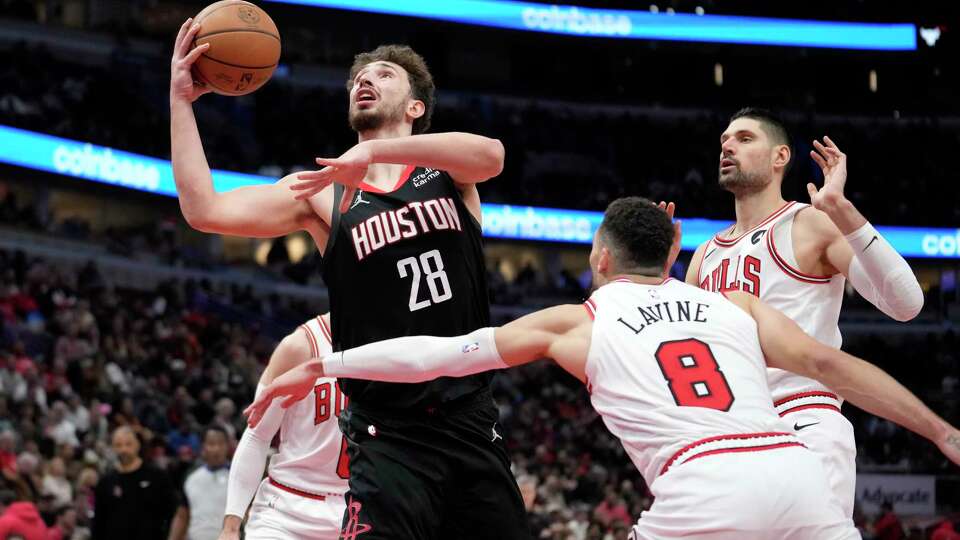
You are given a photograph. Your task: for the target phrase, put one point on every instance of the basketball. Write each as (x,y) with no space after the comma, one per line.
(244,47)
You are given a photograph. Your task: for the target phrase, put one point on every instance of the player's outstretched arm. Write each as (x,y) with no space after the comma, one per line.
(256,211)
(556,332)
(788,347)
(853,246)
(468,158)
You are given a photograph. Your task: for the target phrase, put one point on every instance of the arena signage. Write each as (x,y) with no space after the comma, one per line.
(633,24)
(909,493)
(90,162)
(101,164)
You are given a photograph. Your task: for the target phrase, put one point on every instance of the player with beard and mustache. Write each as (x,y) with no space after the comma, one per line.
(796,257)
(397,220)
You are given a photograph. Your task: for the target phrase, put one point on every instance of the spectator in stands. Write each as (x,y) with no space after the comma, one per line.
(55,482)
(613,509)
(65,525)
(204,496)
(20,518)
(946,530)
(887,526)
(135,500)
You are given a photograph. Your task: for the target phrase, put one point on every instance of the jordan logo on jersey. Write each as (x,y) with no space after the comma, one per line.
(390,226)
(359,200)
(735,277)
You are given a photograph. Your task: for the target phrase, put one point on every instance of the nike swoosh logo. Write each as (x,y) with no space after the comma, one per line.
(707,256)
(798,427)
(870,244)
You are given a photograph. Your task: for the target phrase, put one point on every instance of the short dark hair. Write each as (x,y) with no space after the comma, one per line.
(421,81)
(216,429)
(639,233)
(772,125)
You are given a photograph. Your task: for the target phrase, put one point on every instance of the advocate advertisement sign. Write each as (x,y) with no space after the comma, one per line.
(909,493)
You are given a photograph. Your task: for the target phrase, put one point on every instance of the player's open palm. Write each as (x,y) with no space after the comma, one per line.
(182,84)
(348,170)
(293,385)
(833,163)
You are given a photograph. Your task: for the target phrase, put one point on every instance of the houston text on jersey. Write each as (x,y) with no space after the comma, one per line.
(415,218)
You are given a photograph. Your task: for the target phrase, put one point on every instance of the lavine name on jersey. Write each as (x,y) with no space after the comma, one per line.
(390,226)
(675,311)
(725,278)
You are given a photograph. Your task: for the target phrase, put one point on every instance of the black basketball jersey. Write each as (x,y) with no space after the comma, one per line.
(402,263)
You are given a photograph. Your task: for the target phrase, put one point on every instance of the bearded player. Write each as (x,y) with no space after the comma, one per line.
(397,219)
(797,257)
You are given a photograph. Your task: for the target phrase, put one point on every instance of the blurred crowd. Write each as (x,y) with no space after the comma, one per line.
(80,358)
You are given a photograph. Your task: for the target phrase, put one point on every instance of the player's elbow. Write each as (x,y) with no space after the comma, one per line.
(494,155)
(824,364)
(911,303)
(199,221)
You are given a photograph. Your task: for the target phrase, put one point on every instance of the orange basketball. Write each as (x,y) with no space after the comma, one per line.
(244,47)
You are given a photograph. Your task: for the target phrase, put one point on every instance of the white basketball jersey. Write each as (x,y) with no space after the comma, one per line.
(312,456)
(761,261)
(672,369)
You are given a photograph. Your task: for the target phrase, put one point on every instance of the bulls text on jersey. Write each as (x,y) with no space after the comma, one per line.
(742,277)
(415,218)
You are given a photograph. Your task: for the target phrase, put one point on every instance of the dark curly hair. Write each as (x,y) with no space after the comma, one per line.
(421,81)
(638,233)
(772,125)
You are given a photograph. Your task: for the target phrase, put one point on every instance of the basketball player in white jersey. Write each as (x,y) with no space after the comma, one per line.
(678,375)
(796,258)
(302,495)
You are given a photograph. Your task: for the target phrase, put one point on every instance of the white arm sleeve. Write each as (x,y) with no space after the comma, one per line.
(417,358)
(250,459)
(882,276)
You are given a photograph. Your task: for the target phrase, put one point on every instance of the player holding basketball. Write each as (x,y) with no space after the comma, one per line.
(796,257)
(302,496)
(397,220)
(678,374)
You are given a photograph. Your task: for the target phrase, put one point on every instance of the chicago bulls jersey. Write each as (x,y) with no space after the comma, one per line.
(312,454)
(761,262)
(673,369)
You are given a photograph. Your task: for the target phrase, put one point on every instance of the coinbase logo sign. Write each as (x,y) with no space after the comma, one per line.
(543,224)
(942,245)
(571,20)
(99,163)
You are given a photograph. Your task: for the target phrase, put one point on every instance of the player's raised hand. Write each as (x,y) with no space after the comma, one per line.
(293,385)
(182,84)
(670,208)
(349,170)
(833,163)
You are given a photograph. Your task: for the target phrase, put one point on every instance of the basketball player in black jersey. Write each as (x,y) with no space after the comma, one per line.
(397,219)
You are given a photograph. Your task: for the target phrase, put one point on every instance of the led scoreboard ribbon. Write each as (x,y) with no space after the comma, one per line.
(632,24)
(85,161)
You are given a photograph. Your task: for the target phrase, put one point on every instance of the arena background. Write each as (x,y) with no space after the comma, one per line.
(113,311)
